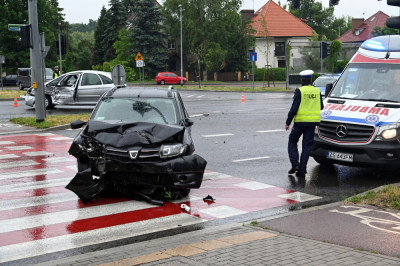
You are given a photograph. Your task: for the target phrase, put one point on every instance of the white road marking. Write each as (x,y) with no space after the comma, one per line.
(252,185)
(251,159)
(18,148)
(65,242)
(44,171)
(59,160)
(218,135)
(200,96)
(70,215)
(35,185)
(222,211)
(299,196)
(44,134)
(38,153)
(37,200)
(62,138)
(18,164)
(8,156)
(6,142)
(270,131)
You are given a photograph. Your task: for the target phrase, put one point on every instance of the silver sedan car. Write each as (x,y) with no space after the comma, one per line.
(84,87)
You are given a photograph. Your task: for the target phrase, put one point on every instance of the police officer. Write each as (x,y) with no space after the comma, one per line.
(305,110)
(56,72)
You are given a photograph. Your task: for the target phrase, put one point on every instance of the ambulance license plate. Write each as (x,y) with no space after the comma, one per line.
(347,157)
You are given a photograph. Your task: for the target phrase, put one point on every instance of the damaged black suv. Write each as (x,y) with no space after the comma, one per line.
(138,143)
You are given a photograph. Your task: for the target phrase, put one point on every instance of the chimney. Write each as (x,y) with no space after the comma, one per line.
(356,23)
(246,14)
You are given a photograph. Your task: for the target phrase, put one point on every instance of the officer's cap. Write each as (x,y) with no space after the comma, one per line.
(306,74)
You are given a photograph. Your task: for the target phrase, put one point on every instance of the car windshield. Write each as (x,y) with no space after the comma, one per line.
(152,110)
(321,82)
(363,81)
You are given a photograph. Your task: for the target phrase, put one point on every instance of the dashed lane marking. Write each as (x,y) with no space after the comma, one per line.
(218,135)
(251,159)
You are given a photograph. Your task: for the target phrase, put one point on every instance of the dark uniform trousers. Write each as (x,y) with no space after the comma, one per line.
(299,129)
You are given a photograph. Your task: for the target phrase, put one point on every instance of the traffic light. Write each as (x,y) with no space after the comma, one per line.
(25,32)
(393,22)
(325,47)
(333,2)
(63,45)
(295,4)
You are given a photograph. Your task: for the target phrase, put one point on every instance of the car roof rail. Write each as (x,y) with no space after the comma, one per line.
(170,88)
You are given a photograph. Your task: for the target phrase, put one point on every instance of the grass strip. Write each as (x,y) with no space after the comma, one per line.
(50,121)
(386,197)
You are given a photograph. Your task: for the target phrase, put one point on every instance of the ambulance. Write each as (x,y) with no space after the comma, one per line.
(360,122)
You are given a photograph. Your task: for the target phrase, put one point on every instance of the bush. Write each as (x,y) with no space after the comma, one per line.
(275,74)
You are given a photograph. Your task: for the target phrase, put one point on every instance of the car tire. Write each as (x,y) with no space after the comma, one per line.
(20,86)
(47,102)
(162,82)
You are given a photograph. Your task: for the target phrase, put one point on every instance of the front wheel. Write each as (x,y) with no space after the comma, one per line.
(20,86)
(47,102)
(162,82)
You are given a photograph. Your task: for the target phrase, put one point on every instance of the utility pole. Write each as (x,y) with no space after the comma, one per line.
(37,76)
(180,10)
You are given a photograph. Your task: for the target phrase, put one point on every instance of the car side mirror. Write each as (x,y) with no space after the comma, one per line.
(77,124)
(188,122)
(328,89)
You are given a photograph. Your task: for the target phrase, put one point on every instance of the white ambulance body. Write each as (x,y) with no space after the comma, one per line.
(360,122)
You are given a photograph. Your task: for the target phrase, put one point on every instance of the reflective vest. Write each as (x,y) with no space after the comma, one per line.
(310,105)
(55,75)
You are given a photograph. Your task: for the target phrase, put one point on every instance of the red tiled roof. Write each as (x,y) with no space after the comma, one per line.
(279,22)
(378,19)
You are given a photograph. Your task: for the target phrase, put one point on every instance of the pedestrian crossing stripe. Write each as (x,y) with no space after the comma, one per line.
(38,215)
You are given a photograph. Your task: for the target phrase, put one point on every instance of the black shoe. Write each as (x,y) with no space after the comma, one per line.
(300,174)
(293,170)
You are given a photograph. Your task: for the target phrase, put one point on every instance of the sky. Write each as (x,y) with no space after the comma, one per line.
(80,11)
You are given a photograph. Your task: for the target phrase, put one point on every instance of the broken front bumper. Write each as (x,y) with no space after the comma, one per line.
(180,172)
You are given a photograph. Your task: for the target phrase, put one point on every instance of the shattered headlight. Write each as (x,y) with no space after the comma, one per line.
(172,150)
(388,132)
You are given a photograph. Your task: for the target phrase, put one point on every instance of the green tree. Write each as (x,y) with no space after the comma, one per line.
(116,20)
(147,35)
(16,12)
(99,36)
(321,19)
(82,27)
(334,50)
(379,31)
(210,25)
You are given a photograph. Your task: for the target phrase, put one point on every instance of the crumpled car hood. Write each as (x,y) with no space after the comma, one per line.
(128,134)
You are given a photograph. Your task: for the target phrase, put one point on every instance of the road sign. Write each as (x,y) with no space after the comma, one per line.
(139,63)
(118,75)
(253,57)
(15,27)
(2,59)
(139,57)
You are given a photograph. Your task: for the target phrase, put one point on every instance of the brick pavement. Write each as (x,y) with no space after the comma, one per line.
(232,244)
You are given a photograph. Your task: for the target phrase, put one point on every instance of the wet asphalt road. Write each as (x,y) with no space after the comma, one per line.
(247,139)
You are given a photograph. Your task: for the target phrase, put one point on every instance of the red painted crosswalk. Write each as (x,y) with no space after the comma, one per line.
(38,215)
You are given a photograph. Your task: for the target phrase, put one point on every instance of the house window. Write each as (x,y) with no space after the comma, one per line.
(171,45)
(280,49)
(281,63)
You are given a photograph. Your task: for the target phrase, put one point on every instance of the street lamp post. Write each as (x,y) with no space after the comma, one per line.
(180,10)
(59,45)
